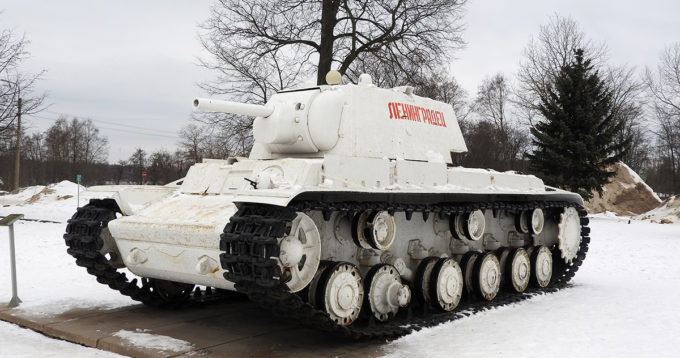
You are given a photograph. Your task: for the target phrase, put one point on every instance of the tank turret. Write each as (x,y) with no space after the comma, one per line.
(344,120)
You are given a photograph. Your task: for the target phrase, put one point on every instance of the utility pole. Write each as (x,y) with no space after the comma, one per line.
(17,153)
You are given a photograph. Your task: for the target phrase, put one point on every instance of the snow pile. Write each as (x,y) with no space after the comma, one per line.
(626,194)
(154,341)
(44,194)
(667,213)
(54,202)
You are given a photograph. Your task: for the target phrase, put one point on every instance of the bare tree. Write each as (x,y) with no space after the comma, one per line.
(138,162)
(628,102)
(94,147)
(192,138)
(214,141)
(493,132)
(34,147)
(76,142)
(261,47)
(441,86)
(15,84)
(335,33)
(119,170)
(663,84)
(68,147)
(544,57)
(492,101)
(161,168)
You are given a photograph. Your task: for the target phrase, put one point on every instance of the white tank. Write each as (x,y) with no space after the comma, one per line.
(349,205)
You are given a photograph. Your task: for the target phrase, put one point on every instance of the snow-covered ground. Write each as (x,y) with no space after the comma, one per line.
(20,342)
(49,282)
(623,302)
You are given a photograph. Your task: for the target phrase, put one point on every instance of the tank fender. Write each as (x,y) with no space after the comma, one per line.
(131,198)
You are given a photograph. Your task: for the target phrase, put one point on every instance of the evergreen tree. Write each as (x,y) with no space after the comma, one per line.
(576,142)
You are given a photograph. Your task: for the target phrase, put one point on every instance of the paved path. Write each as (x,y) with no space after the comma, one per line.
(224,329)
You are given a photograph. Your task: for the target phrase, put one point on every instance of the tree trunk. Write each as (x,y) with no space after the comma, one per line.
(329,12)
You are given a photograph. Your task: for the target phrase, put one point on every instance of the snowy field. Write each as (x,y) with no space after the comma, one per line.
(623,302)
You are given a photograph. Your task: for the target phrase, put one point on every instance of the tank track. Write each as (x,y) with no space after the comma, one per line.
(84,242)
(249,242)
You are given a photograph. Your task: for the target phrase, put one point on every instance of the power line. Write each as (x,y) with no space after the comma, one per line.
(116,124)
(142,133)
(120,129)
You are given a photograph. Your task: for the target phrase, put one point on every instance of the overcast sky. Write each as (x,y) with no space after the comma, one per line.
(131,65)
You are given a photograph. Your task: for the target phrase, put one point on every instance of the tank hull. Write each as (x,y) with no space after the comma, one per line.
(177,237)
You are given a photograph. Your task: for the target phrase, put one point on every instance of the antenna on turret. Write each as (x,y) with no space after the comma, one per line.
(365,79)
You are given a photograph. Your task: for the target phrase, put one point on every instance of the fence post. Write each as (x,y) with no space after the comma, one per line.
(9,221)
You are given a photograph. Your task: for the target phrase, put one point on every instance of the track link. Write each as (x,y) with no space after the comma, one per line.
(250,244)
(84,243)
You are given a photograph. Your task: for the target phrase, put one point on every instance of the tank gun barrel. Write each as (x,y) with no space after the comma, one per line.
(246,109)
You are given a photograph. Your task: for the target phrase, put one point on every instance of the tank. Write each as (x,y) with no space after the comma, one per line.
(348,216)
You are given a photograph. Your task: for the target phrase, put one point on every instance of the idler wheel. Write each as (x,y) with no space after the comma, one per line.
(446,284)
(300,252)
(569,236)
(518,270)
(423,275)
(474,225)
(542,266)
(385,291)
(487,276)
(339,292)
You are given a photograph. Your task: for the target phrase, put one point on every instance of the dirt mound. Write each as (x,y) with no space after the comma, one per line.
(36,197)
(626,194)
(41,194)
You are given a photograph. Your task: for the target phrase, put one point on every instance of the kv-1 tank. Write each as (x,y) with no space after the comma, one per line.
(347,216)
